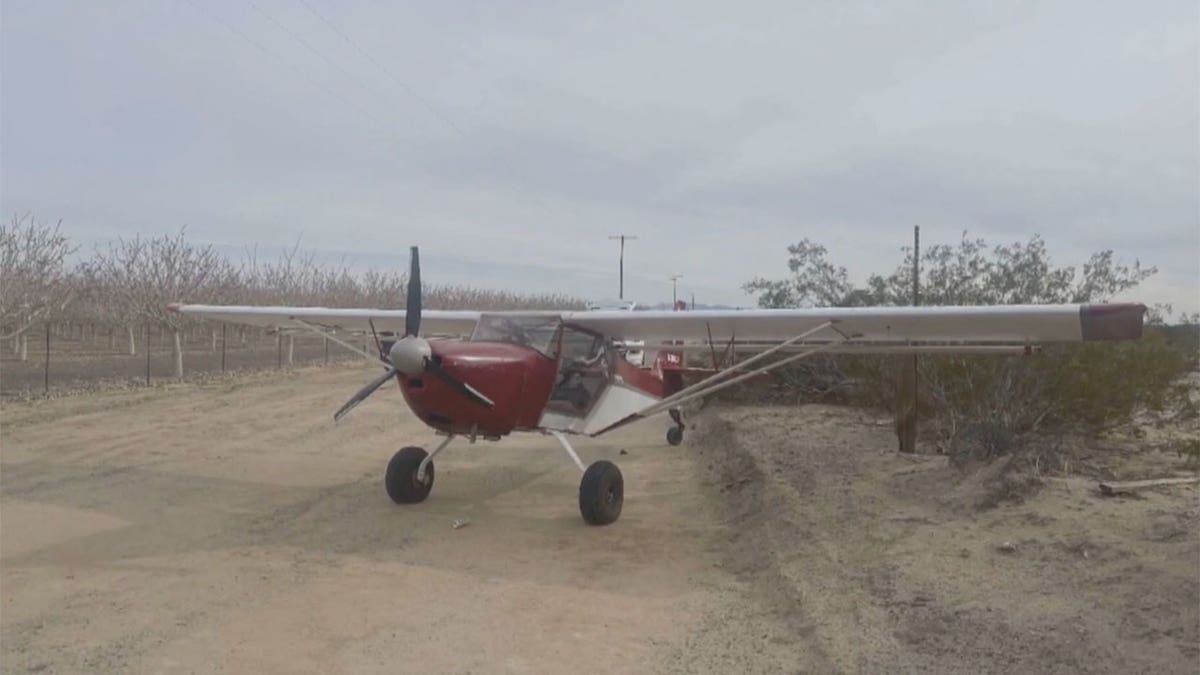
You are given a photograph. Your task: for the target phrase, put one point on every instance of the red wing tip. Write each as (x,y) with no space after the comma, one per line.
(173,307)
(1117,321)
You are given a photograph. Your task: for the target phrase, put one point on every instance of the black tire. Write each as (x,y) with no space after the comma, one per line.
(601,493)
(401,478)
(674,436)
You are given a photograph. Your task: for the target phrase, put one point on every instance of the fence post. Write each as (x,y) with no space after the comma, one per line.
(147,355)
(224,332)
(278,350)
(326,351)
(46,374)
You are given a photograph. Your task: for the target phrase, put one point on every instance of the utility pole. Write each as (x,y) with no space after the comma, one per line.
(622,237)
(674,289)
(906,382)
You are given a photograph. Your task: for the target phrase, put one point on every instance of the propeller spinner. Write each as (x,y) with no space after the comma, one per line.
(412,355)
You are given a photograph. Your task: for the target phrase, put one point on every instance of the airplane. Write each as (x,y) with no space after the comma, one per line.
(485,375)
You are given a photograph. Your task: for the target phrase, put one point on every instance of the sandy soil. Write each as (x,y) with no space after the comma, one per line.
(231,527)
(905,564)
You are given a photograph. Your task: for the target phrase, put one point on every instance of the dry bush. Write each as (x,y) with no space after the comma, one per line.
(1091,385)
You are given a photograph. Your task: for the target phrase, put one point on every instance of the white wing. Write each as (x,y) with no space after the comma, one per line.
(1000,324)
(1012,324)
(433,321)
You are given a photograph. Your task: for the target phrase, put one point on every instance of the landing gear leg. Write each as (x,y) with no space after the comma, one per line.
(675,433)
(602,489)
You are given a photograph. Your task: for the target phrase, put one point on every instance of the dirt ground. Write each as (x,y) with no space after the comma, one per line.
(232,527)
(907,564)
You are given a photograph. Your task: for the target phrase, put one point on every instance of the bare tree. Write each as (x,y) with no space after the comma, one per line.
(115,273)
(144,275)
(33,276)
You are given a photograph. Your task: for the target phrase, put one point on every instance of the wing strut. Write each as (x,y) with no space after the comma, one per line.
(331,336)
(714,384)
(711,381)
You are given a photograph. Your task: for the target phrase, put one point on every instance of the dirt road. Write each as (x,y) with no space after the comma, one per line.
(231,527)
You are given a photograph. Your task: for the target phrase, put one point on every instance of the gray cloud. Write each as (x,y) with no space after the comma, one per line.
(510,140)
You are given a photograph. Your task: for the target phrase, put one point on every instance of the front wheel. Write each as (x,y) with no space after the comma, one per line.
(401,478)
(601,493)
(674,436)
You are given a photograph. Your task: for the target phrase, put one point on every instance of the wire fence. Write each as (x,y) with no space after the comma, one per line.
(60,357)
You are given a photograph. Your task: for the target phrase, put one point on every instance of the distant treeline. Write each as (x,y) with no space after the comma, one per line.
(129,282)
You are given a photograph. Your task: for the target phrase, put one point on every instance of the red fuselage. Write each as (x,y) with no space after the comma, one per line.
(518,379)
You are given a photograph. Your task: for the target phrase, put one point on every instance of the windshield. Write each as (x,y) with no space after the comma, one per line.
(536,332)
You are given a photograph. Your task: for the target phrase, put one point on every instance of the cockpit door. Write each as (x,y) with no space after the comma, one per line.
(589,392)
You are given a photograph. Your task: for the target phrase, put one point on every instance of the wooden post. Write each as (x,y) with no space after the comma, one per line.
(224,333)
(177,336)
(278,350)
(326,351)
(147,355)
(46,374)
(906,379)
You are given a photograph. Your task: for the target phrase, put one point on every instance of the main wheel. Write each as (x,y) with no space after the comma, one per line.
(401,478)
(601,493)
(674,435)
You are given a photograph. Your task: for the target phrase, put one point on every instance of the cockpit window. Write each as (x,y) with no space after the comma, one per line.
(536,332)
(580,346)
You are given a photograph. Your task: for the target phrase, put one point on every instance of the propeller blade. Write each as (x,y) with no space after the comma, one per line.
(378,344)
(412,307)
(364,393)
(463,388)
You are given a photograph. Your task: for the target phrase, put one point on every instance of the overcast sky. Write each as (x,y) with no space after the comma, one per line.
(509,140)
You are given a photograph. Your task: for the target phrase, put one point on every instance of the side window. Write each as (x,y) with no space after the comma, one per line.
(582,373)
(579,346)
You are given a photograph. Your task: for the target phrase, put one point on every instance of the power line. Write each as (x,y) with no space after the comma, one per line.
(296,71)
(364,111)
(307,45)
(400,83)
(433,110)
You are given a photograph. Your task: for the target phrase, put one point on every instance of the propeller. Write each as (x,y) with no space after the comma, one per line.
(411,354)
(435,367)
(412,304)
(364,393)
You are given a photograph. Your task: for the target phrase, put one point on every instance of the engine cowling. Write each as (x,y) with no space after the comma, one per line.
(516,378)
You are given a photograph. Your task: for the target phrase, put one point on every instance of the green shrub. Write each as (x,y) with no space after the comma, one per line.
(1088,384)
